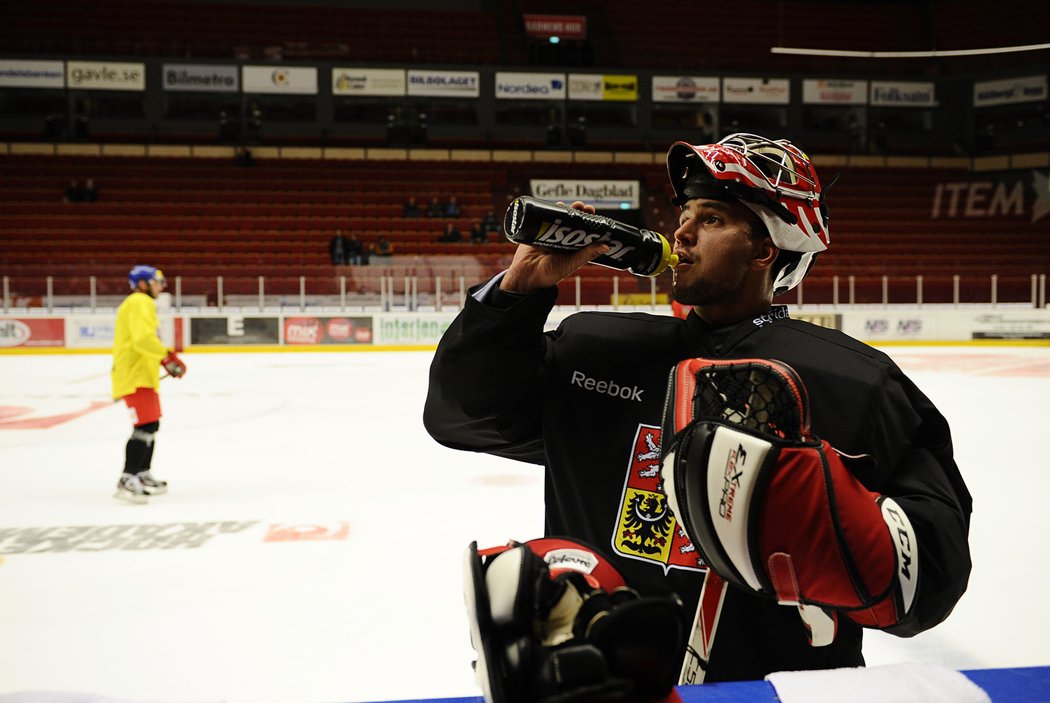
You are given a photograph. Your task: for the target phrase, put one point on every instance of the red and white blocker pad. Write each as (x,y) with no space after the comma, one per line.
(774,509)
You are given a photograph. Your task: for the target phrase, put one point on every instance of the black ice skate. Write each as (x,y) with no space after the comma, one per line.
(153,486)
(130,489)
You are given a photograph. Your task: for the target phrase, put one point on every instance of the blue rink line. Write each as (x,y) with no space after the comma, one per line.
(1024,685)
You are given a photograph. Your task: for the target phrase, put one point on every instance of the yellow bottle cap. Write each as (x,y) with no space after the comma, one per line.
(667,259)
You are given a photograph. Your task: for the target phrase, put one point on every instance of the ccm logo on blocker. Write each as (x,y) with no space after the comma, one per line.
(607,387)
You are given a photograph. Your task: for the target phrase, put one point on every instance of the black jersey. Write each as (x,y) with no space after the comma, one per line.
(586,401)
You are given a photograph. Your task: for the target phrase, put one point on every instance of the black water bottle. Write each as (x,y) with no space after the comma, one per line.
(542,223)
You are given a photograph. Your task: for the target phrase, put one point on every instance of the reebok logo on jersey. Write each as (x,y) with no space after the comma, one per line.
(611,388)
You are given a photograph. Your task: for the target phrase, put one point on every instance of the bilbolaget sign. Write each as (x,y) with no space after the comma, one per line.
(462,84)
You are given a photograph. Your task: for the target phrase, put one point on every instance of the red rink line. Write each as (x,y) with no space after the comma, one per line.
(42,423)
(975,364)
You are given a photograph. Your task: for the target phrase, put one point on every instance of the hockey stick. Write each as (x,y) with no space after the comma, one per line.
(705,623)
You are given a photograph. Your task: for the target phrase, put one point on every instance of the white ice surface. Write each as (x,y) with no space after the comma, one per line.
(259,441)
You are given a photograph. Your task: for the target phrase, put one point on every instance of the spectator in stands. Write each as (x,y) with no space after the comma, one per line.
(337,246)
(489,223)
(435,209)
(452,209)
(451,234)
(244,157)
(384,247)
(411,207)
(74,193)
(89,194)
(478,235)
(355,252)
(227,128)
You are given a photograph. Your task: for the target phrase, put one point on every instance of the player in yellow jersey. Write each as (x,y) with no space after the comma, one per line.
(138,354)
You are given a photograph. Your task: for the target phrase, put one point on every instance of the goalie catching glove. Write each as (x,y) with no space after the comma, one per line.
(774,509)
(173,365)
(552,621)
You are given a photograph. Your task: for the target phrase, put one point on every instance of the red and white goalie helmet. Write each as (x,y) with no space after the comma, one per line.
(774,179)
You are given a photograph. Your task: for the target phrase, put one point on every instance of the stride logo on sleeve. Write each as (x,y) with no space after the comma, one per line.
(610,388)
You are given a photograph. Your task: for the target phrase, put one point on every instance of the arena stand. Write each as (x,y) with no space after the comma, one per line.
(201,218)
(224,30)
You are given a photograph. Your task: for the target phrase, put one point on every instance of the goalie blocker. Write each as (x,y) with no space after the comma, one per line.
(552,621)
(775,510)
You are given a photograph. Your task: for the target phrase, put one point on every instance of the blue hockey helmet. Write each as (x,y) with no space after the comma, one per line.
(144,273)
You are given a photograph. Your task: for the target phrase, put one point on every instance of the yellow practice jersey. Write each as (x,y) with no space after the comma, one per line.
(137,350)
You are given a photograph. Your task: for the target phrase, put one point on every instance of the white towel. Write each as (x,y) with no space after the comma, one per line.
(896,683)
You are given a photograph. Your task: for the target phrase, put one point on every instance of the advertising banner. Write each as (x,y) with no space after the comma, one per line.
(32,332)
(417,329)
(368,81)
(769,91)
(1011,325)
(894,326)
(1023,196)
(686,89)
(620,87)
(201,78)
(448,84)
(530,86)
(585,86)
(561,26)
(834,92)
(284,80)
(32,74)
(235,329)
(903,94)
(833,321)
(105,75)
(307,329)
(603,195)
(613,87)
(90,332)
(1006,92)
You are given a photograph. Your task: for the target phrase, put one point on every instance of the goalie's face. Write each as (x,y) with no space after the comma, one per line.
(721,246)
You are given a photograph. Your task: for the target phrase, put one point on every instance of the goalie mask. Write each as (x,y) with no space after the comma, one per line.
(552,621)
(774,179)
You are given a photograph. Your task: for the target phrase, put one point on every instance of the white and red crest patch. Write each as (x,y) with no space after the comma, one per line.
(646,529)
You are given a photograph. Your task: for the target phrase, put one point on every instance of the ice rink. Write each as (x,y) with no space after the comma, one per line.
(310,547)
